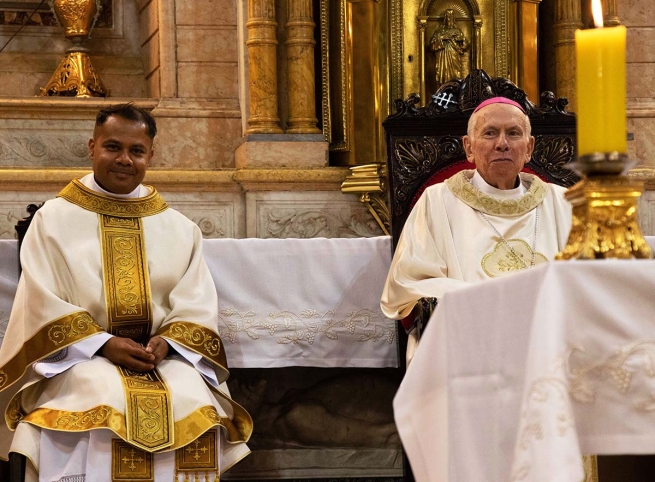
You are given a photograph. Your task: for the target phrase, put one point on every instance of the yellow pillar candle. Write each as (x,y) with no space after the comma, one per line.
(601,90)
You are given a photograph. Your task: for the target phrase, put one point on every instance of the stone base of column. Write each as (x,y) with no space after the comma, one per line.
(282,150)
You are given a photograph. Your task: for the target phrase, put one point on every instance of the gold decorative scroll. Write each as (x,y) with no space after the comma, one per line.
(196,338)
(80,195)
(101,416)
(369,181)
(126,280)
(130,464)
(605,222)
(54,336)
(148,410)
(185,431)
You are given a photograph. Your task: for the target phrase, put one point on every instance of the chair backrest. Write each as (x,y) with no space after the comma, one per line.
(424,144)
(22,225)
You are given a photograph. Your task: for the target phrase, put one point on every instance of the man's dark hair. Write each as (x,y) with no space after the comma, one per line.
(129,112)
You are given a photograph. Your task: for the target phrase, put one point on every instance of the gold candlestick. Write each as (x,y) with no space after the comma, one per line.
(605,222)
(75,75)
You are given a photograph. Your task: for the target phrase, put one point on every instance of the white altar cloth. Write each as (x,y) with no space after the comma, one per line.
(516,378)
(286,302)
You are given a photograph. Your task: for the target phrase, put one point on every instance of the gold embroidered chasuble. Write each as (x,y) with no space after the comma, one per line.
(446,243)
(132,268)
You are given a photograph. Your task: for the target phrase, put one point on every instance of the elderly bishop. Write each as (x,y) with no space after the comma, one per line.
(482,223)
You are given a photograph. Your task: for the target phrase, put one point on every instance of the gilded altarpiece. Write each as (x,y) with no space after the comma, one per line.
(374,52)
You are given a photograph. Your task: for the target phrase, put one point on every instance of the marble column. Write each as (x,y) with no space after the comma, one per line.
(567,20)
(262,67)
(300,64)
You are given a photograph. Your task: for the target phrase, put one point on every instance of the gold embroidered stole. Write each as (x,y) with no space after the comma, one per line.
(127,284)
(148,410)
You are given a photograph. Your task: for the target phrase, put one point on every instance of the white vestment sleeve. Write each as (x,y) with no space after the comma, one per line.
(424,263)
(76,353)
(197,361)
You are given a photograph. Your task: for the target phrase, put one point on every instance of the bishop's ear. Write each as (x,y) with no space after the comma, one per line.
(466,140)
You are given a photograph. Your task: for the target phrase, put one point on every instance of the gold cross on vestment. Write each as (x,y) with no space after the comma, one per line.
(131,460)
(197,450)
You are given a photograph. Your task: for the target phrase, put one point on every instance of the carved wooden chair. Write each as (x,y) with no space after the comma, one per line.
(424,145)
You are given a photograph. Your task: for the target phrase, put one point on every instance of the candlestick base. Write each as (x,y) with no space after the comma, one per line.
(602,164)
(605,222)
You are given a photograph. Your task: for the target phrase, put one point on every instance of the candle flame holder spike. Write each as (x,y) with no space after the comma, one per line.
(605,222)
(75,75)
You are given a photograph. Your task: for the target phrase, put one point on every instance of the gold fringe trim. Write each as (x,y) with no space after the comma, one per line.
(461,187)
(52,337)
(77,193)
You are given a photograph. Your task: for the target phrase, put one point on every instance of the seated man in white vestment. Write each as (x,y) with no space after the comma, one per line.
(482,223)
(112,368)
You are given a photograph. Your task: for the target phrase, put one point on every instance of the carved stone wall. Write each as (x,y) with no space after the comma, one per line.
(639,18)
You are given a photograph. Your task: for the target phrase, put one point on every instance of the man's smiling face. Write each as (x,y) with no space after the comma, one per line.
(121,151)
(500,144)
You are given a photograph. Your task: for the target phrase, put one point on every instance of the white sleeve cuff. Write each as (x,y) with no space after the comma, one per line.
(71,355)
(197,361)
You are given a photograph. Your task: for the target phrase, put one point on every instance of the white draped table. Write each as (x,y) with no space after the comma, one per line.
(286,302)
(516,378)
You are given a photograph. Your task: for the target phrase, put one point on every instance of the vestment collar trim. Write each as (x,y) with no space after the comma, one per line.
(461,187)
(77,193)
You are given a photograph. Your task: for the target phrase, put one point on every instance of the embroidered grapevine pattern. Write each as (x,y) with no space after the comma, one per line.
(305,326)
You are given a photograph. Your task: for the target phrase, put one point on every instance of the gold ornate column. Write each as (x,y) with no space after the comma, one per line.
(526,65)
(300,64)
(611,13)
(422,25)
(567,20)
(262,67)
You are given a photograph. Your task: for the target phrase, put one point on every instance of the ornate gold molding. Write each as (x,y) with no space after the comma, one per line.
(358,35)
(605,222)
(396,48)
(369,181)
(501,29)
(226,180)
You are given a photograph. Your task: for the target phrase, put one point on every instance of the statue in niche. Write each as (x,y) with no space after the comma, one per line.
(449,45)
